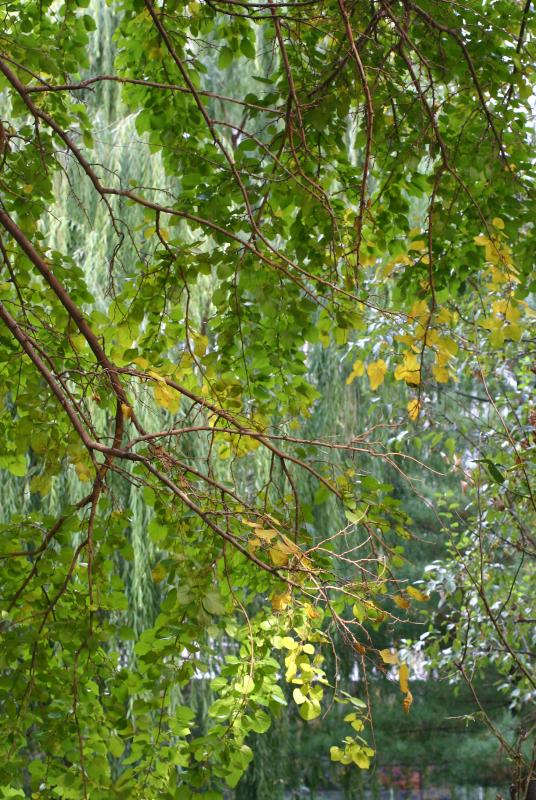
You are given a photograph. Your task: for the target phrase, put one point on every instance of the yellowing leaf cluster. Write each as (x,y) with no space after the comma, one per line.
(280,601)
(505,321)
(498,255)
(409,370)
(391,657)
(279,547)
(280,553)
(376,371)
(304,673)
(425,335)
(165,395)
(419,311)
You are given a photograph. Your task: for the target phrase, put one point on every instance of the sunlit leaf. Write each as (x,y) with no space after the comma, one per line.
(376,372)
(403,677)
(358,370)
(421,597)
(389,657)
(407,701)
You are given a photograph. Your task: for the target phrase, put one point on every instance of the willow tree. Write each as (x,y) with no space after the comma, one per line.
(374,193)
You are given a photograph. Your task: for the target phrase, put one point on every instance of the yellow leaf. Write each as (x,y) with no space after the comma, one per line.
(265,535)
(405,339)
(357,371)
(166,397)
(512,313)
(498,253)
(491,323)
(513,332)
(497,221)
(482,241)
(500,276)
(500,306)
(414,408)
(280,601)
(288,545)
(376,372)
(447,346)
(409,370)
(388,657)
(401,602)
(127,411)
(156,376)
(419,310)
(278,555)
(420,244)
(407,701)
(443,315)
(403,677)
(421,597)
(441,374)
(430,336)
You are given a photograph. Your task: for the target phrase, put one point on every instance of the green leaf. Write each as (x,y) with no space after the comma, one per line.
(493,470)
(212,603)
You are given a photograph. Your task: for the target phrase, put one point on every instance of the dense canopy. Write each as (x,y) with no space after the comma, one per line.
(265,299)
